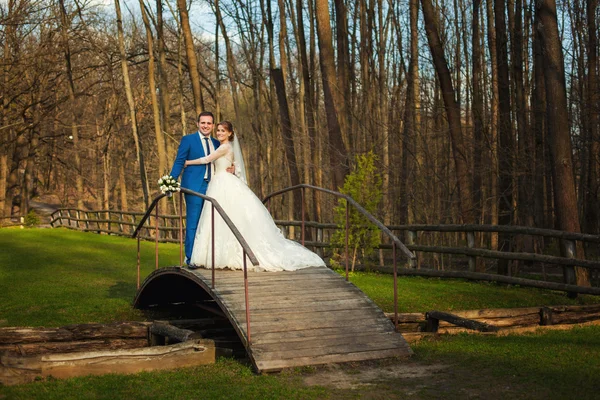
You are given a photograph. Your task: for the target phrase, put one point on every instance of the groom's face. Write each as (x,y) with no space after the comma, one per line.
(206,125)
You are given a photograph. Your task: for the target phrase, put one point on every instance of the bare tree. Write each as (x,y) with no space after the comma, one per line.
(565,194)
(338,154)
(192,60)
(452,113)
(131,103)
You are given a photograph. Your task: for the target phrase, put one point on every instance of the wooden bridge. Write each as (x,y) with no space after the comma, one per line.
(306,317)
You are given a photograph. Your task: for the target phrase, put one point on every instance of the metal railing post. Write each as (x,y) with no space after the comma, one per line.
(302,191)
(138,262)
(180,228)
(247,302)
(212,242)
(395,286)
(156,236)
(347,228)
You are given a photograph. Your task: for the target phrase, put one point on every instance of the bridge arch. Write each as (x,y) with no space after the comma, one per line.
(170,286)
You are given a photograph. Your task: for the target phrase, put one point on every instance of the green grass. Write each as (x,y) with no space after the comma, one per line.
(558,364)
(226,379)
(418,294)
(55,277)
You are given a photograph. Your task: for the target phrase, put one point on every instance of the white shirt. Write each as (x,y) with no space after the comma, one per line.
(212,149)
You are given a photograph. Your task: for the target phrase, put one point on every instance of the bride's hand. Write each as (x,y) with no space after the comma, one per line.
(185,164)
(231,169)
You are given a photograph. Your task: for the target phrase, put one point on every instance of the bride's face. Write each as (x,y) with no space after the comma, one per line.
(222,134)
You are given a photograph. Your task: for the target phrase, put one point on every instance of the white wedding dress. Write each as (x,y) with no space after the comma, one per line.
(252,219)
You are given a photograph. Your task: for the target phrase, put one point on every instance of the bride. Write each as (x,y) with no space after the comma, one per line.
(253,220)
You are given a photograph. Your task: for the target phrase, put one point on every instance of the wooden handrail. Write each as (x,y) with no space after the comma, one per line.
(219,209)
(409,254)
(396,243)
(246,250)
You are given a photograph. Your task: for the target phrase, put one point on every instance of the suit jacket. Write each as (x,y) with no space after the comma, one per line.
(191,148)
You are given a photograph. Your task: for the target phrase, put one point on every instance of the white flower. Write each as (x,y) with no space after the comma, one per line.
(168,184)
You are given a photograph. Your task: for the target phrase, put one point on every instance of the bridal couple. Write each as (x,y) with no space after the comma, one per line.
(215,167)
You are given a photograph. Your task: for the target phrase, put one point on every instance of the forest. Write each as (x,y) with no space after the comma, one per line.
(476,111)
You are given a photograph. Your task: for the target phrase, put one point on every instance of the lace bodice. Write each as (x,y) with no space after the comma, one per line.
(225,160)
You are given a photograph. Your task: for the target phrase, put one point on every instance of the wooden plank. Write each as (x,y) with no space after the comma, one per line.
(274,298)
(361,346)
(286,289)
(278,365)
(321,333)
(297,325)
(305,307)
(338,340)
(329,315)
(287,283)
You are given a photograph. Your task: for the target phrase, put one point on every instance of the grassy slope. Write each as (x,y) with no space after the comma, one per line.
(57,277)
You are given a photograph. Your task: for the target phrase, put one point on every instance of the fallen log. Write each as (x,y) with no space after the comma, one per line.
(434,317)
(28,349)
(16,370)
(170,332)
(71,333)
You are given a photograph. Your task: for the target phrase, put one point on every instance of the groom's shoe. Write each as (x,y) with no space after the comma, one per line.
(193,266)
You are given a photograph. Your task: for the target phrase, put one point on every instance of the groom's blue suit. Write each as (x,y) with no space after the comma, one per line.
(191,148)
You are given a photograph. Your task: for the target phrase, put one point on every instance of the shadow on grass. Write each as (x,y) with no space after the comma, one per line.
(122,290)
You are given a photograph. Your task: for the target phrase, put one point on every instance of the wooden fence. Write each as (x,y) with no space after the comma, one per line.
(419,238)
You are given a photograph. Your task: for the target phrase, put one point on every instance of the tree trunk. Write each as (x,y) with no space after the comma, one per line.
(410,112)
(160,139)
(231,61)
(591,199)
(191,56)
(163,80)
(288,139)
(338,154)
(309,105)
(71,87)
(493,122)
(343,71)
(540,117)
(452,113)
(477,111)
(123,186)
(565,195)
(131,103)
(505,158)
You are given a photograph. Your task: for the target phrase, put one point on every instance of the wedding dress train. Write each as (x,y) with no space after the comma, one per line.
(273,251)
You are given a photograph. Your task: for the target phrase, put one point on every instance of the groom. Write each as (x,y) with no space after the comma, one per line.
(195,177)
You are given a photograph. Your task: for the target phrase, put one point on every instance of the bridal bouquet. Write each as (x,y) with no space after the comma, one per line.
(168,184)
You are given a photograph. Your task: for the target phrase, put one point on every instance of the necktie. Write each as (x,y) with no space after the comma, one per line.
(208,165)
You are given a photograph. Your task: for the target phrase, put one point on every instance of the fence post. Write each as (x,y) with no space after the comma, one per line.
(412,239)
(568,250)
(471,244)
(319,240)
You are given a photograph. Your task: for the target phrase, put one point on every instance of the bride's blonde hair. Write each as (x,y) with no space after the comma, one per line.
(228,127)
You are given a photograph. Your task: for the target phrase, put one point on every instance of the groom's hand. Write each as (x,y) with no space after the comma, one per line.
(231,169)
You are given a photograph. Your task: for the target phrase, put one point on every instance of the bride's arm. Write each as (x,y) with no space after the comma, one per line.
(220,152)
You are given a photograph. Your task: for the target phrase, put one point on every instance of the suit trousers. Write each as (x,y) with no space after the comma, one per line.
(193,206)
